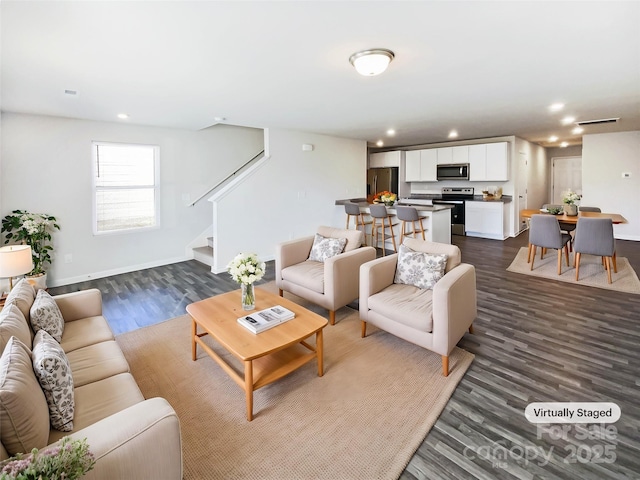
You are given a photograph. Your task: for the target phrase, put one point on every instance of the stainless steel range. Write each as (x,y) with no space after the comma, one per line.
(455,196)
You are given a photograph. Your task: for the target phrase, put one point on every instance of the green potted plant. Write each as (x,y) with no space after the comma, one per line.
(33,229)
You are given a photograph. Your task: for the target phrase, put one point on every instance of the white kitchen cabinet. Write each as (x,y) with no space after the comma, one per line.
(385,159)
(445,155)
(477,162)
(497,162)
(485,219)
(460,154)
(421,165)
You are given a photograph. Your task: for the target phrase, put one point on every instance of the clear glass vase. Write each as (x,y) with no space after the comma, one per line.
(248,297)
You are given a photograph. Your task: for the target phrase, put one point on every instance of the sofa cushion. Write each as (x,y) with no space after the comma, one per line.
(22,296)
(326,247)
(84,332)
(308,274)
(354,237)
(13,324)
(406,304)
(52,370)
(98,400)
(419,269)
(24,416)
(96,362)
(454,257)
(45,315)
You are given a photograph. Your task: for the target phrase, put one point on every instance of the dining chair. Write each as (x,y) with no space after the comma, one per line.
(594,236)
(589,209)
(564,226)
(544,232)
(379,212)
(409,215)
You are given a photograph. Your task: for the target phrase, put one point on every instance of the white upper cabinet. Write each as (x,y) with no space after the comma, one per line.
(497,161)
(460,154)
(421,165)
(385,159)
(477,162)
(445,155)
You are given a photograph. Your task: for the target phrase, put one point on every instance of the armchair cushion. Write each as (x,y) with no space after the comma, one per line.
(354,237)
(454,257)
(419,269)
(22,296)
(52,370)
(309,274)
(13,324)
(406,304)
(326,247)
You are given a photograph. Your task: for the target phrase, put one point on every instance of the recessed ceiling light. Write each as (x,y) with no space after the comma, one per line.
(553,138)
(568,120)
(453,134)
(391,132)
(556,107)
(577,130)
(564,144)
(380,143)
(123,116)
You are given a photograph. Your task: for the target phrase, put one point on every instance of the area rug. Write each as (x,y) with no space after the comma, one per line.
(592,272)
(363,419)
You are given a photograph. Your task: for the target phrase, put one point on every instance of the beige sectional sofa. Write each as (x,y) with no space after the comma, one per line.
(129,436)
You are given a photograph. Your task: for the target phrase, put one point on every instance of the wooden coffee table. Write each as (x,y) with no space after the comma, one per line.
(267,356)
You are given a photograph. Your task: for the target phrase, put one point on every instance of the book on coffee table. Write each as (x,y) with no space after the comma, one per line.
(265,319)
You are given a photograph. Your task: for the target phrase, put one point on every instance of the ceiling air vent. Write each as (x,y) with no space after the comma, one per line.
(598,122)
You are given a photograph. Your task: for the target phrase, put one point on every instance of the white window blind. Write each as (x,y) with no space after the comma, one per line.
(126,188)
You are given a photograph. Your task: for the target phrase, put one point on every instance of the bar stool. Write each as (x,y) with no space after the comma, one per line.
(353,210)
(379,212)
(406,215)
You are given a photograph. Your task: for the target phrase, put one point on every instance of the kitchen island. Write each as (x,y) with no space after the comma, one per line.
(436,220)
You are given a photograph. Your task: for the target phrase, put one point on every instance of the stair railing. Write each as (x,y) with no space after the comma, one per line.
(227,178)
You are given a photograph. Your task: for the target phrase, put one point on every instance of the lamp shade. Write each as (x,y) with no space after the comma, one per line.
(371,62)
(15,260)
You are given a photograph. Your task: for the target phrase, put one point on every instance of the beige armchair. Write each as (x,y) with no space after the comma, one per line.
(332,284)
(435,319)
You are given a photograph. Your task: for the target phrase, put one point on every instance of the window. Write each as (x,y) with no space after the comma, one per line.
(126,187)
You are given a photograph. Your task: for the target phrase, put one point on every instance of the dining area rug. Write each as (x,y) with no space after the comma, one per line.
(364,418)
(592,272)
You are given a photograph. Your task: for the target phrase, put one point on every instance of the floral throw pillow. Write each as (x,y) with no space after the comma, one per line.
(54,374)
(45,315)
(420,269)
(325,247)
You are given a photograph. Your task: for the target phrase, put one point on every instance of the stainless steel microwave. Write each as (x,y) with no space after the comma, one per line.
(458,171)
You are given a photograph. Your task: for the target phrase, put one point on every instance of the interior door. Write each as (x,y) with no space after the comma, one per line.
(522,177)
(567,175)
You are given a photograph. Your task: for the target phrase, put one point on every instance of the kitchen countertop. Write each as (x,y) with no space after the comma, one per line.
(362,202)
(476,198)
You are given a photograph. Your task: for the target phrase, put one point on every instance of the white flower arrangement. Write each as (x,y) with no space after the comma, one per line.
(246,268)
(571,198)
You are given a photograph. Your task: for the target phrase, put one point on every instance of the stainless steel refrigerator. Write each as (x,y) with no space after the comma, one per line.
(380,179)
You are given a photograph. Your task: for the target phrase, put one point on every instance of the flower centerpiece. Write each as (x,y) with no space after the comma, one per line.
(246,269)
(570,199)
(386,197)
(33,229)
(69,460)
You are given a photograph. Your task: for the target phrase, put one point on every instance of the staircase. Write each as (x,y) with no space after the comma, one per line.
(204,254)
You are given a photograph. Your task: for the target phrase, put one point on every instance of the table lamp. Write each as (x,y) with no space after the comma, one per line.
(15,260)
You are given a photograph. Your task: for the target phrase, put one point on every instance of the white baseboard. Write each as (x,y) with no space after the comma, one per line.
(116,271)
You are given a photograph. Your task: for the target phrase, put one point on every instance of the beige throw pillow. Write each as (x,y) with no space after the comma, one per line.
(24,416)
(45,315)
(13,324)
(420,269)
(52,370)
(325,247)
(22,296)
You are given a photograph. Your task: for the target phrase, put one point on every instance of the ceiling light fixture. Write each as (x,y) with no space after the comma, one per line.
(123,116)
(380,143)
(391,132)
(556,107)
(564,144)
(553,138)
(568,120)
(453,134)
(371,62)
(577,130)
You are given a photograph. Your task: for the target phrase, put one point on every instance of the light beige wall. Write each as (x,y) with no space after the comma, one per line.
(605,157)
(46,167)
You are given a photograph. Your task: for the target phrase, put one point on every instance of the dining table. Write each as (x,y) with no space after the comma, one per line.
(615,217)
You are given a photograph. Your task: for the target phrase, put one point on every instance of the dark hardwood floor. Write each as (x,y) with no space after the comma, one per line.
(535,340)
